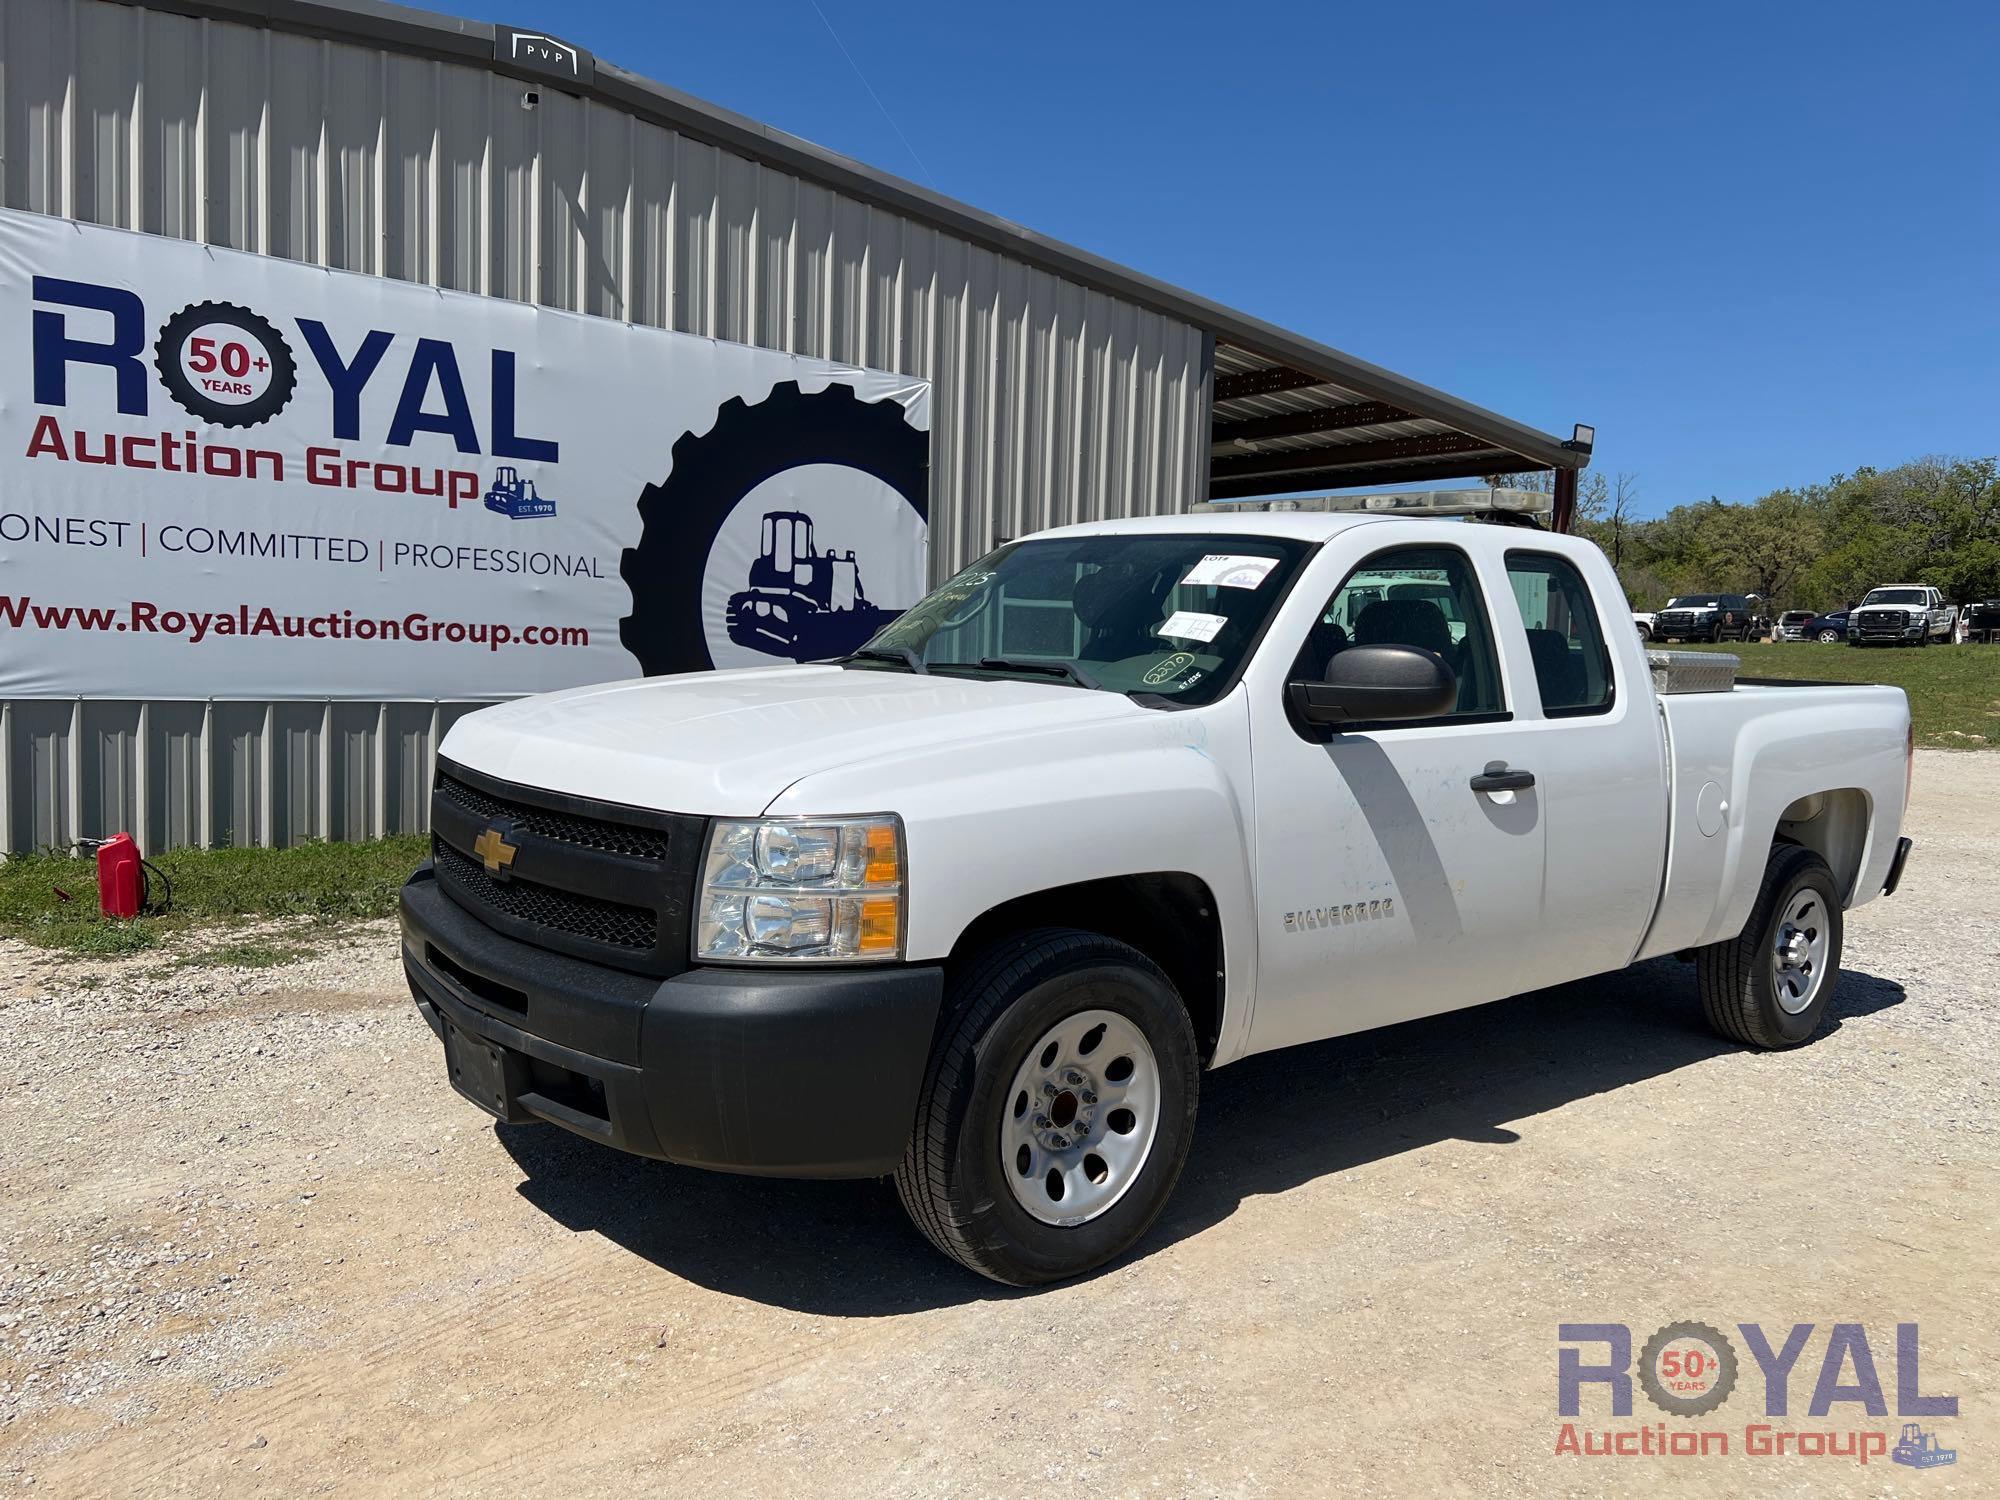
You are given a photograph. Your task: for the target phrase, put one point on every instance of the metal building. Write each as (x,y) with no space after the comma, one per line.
(395,142)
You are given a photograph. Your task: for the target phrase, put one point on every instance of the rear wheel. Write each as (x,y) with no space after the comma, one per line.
(1829,637)
(1057,1111)
(1770,985)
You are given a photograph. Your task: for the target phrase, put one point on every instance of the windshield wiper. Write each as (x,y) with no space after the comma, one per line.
(899,654)
(1069,669)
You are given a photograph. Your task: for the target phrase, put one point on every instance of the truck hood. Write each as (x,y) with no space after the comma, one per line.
(729,742)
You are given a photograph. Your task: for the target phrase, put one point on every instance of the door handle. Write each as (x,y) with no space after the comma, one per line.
(1497,778)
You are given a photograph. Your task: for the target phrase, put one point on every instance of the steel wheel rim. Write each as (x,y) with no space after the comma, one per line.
(1078,1121)
(1800,950)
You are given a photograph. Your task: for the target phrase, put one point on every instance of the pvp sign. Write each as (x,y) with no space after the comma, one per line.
(223,475)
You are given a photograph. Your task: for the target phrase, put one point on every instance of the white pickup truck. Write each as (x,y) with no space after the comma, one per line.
(1121,802)
(1902,614)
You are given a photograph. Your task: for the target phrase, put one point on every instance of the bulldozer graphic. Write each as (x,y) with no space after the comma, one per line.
(802,604)
(515,497)
(1920,1450)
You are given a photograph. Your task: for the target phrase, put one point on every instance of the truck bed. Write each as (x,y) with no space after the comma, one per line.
(1742,762)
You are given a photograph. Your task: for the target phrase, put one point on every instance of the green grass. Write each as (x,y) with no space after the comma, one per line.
(1954,690)
(51,900)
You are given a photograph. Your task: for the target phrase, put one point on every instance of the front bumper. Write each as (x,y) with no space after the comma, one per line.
(1886,630)
(1687,626)
(777,1073)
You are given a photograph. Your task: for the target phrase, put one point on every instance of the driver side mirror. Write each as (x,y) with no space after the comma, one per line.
(1374,684)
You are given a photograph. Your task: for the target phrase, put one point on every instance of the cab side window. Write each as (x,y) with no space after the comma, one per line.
(1413,596)
(1572,663)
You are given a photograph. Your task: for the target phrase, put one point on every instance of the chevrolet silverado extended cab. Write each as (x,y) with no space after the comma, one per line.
(977,905)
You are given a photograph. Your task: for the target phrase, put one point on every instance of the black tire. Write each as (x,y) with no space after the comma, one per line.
(998,1006)
(1738,992)
(1715,635)
(1829,637)
(713,470)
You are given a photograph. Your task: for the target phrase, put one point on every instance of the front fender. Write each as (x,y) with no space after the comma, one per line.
(987,823)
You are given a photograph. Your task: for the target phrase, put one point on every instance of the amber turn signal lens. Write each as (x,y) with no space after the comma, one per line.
(878,924)
(883,866)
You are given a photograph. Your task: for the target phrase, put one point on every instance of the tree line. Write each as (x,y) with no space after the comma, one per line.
(1821,546)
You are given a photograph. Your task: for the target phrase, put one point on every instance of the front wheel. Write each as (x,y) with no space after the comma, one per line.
(1829,637)
(1769,986)
(1057,1110)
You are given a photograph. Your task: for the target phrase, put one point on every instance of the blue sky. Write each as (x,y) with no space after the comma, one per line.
(1754,244)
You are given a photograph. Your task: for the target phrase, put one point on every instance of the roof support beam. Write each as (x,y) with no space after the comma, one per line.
(1471,467)
(1564,518)
(1347,454)
(1262,383)
(1320,419)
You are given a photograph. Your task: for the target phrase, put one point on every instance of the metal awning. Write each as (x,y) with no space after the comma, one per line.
(1310,418)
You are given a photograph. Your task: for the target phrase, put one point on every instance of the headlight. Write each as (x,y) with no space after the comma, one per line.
(788,889)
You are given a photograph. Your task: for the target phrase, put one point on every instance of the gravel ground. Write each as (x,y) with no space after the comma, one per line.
(252,1243)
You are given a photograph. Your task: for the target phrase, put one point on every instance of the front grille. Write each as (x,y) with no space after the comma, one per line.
(585,917)
(590,878)
(563,828)
(1883,624)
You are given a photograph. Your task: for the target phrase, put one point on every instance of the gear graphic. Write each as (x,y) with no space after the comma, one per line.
(710,471)
(1687,1406)
(175,332)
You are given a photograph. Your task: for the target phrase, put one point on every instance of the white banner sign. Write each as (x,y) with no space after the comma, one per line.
(228,476)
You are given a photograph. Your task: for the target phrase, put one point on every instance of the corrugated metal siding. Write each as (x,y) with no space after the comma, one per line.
(1051,402)
(215,773)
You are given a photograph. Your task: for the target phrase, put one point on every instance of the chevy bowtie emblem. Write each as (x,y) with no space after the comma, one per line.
(494,851)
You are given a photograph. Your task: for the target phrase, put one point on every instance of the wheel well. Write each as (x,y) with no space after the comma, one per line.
(1834,825)
(1168,916)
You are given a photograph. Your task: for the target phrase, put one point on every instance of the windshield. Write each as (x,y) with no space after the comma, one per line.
(1896,596)
(1695,601)
(1172,616)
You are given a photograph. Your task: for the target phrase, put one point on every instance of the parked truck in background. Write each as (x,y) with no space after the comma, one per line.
(979,916)
(1705,617)
(1979,622)
(1901,614)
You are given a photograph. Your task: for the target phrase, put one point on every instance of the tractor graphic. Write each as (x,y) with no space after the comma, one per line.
(515,497)
(1920,1450)
(801,604)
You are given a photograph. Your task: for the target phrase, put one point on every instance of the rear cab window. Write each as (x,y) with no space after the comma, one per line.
(1565,638)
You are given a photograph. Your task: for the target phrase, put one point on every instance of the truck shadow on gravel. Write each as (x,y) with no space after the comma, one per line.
(1269,1123)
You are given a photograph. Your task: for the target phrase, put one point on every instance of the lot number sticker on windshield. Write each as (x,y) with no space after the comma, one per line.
(1228,570)
(1186,625)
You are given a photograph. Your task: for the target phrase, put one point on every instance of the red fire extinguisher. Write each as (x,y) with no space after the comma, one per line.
(121,877)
